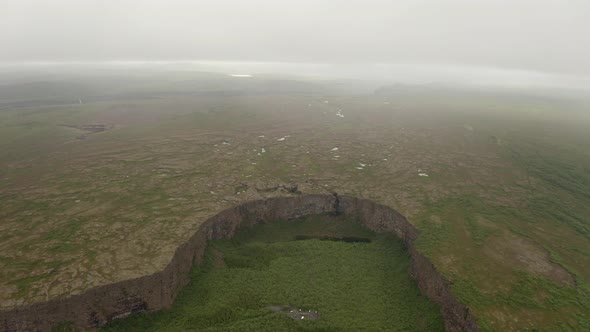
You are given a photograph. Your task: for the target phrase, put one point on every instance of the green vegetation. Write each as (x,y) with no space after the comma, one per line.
(470,229)
(565,172)
(536,297)
(353,286)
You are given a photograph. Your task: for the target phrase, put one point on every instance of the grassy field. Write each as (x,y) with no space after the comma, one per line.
(353,286)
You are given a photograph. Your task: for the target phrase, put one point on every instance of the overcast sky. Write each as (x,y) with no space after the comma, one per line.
(539,35)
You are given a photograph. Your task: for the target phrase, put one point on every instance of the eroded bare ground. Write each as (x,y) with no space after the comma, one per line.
(513,251)
(81,213)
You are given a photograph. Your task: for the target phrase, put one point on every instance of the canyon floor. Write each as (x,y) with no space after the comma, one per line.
(267,278)
(104,184)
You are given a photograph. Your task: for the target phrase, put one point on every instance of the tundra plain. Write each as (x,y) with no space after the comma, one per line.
(102,178)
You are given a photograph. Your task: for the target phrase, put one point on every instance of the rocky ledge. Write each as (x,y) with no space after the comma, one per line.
(102,304)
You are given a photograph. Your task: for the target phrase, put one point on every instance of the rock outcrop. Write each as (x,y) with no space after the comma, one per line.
(100,305)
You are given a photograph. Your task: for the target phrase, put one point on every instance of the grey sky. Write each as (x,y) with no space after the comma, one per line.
(538,35)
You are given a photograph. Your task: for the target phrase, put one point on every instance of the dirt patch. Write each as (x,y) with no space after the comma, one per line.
(435,219)
(449,263)
(515,251)
(486,223)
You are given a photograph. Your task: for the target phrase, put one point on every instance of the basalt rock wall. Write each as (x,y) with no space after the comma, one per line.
(432,284)
(102,304)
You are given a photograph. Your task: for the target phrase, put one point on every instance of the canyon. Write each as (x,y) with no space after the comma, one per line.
(96,307)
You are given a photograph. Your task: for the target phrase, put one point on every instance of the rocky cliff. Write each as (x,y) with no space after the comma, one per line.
(100,305)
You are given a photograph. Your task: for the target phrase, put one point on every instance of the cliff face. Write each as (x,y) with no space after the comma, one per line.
(102,304)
